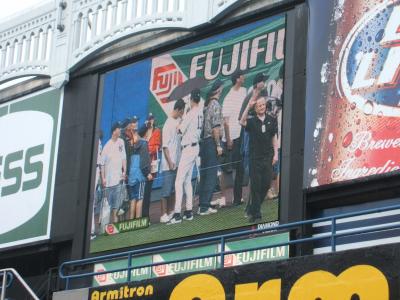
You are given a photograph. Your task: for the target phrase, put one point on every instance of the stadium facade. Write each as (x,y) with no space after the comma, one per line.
(203,124)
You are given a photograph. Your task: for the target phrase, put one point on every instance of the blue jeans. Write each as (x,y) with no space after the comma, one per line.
(114,196)
(208,171)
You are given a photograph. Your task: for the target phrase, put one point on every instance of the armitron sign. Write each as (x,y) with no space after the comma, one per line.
(29,136)
(314,285)
(365,274)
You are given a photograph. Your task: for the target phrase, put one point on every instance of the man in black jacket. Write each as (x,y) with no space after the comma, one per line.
(263,143)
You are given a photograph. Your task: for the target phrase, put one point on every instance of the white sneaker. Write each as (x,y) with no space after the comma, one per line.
(215,201)
(165,218)
(209,211)
(221,202)
(175,220)
(187,215)
(272,194)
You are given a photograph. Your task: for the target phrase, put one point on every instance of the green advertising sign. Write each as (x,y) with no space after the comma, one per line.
(29,131)
(122,276)
(265,254)
(367,274)
(203,264)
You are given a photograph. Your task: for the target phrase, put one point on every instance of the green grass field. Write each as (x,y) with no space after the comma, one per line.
(226,218)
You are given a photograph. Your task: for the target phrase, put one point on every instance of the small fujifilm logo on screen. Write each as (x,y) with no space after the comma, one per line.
(165,79)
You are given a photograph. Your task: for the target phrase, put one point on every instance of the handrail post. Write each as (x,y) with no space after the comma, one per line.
(222,253)
(333,235)
(67,283)
(129,267)
(3,286)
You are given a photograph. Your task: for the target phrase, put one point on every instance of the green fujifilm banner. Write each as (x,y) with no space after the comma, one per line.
(365,274)
(203,264)
(29,131)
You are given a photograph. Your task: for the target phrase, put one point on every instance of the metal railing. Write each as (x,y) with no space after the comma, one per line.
(8,276)
(333,235)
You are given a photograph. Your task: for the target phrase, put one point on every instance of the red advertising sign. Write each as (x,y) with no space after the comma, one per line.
(357,132)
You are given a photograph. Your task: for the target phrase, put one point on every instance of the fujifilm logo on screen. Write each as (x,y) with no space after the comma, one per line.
(26,140)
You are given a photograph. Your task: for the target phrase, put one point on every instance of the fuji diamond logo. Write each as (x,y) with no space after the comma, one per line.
(228,260)
(165,79)
(160,270)
(110,229)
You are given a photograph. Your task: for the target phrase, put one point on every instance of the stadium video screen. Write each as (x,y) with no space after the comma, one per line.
(353,84)
(189,141)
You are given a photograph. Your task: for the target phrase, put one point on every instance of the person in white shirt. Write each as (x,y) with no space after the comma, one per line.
(232,138)
(113,169)
(171,152)
(190,128)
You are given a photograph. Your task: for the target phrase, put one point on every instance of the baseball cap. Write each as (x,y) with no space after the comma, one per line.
(260,77)
(125,123)
(195,95)
(115,126)
(150,116)
(134,119)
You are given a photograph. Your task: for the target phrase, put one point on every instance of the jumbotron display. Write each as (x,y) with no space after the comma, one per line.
(189,141)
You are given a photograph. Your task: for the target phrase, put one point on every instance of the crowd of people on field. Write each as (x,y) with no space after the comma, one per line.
(235,138)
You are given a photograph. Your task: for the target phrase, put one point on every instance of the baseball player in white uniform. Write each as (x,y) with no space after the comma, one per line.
(190,128)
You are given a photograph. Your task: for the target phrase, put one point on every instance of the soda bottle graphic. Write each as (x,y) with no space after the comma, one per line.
(360,133)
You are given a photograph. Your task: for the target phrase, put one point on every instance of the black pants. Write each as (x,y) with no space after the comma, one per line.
(260,181)
(146,198)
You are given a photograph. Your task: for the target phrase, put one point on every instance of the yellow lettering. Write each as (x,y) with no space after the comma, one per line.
(132,292)
(112,295)
(270,290)
(95,295)
(140,291)
(149,290)
(365,281)
(202,286)
(103,295)
(126,291)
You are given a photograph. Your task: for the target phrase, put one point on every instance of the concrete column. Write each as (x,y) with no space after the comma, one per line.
(44,45)
(124,11)
(94,23)
(27,48)
(84,30)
